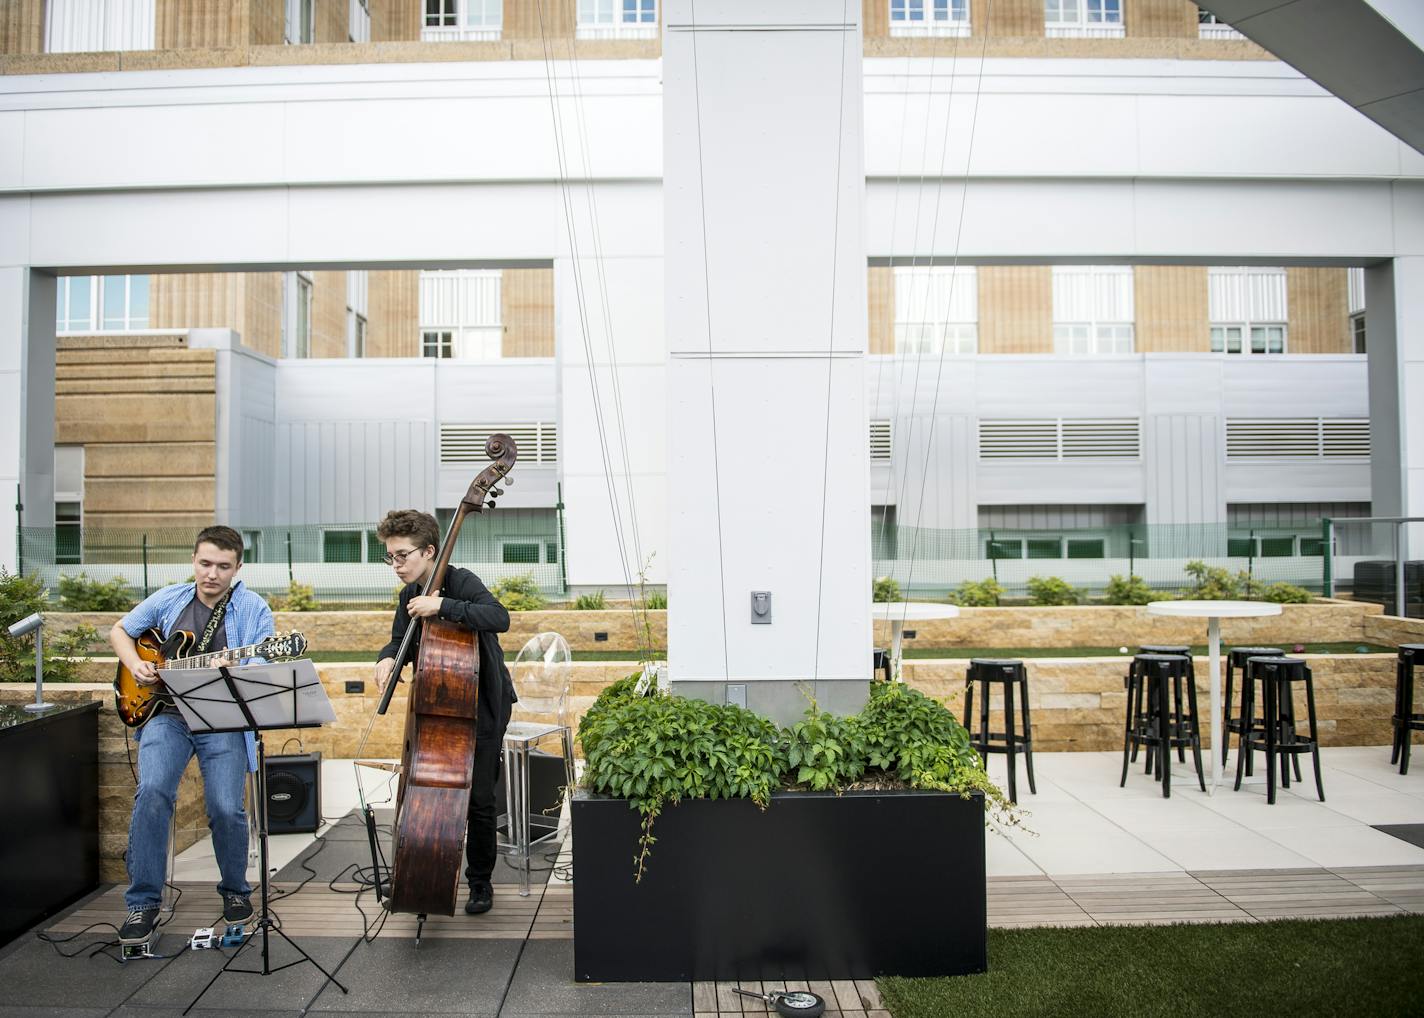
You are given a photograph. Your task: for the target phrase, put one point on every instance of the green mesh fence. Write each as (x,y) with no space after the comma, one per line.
(340,562)
(929,562)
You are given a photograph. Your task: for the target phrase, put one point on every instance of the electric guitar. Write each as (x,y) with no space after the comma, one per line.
(137,703)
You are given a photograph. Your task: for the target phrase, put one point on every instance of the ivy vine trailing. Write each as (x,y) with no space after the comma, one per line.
(654,749)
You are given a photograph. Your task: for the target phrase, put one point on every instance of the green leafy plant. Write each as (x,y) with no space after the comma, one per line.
(1051,590)
(519,593)
(1285,593)
(65,650)
(1213,583)
(81,594)
(982,594)
(657,600)
(594,602)
(658,749)
(886,588)
(1132,590)
(826,751)
(299,598)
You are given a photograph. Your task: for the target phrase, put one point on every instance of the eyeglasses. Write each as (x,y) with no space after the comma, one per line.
(398,558)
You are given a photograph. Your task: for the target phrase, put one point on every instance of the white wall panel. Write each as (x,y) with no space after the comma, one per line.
(1182,460)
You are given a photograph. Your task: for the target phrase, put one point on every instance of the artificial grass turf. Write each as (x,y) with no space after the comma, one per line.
(1292,967)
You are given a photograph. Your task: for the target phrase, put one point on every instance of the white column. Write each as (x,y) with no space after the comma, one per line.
(766,330)
(27,309)
(1394,332)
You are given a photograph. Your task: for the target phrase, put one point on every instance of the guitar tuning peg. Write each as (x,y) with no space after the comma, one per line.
(507,481)
(490,504)
(495,493)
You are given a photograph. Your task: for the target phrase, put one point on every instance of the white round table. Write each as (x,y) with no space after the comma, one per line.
(897,613)
(1214,612)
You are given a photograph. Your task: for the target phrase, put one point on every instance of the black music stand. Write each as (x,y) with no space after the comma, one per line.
(253,698)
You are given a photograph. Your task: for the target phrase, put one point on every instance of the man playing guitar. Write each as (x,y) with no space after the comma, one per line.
(165,744)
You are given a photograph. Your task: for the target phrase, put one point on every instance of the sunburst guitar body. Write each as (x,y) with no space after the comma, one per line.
(137,703)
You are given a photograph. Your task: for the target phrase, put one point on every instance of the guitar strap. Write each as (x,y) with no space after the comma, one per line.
(215,620)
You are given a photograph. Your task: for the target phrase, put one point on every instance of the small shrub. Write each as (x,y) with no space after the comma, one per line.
(298,598)
(21,596)
(826,751)
(1285,593)
(1132,590)
(1213,583)
(519,593)
(81,594)
(594,602)
(657,600)
(1051,590)
(886,589)
(983,594)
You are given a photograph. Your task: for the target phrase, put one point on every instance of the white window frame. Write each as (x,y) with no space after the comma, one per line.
(946,18)
(297,316)
(299,26)
(97,317)
(88,26)
(1083,19)
(464,21)
(437,343)
(922,331)
(1242,337)
(467,303)
(358,20)
(1210,26)
(1098,335)
(1357,333)
(609,19)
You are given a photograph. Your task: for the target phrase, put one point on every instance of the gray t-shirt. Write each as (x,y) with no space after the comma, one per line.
(194,619)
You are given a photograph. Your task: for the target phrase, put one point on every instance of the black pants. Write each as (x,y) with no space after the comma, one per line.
(480,850)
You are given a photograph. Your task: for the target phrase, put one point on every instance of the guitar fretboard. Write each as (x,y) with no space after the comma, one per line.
(206,660)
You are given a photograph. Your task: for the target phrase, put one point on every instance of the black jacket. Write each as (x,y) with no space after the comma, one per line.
(467,602)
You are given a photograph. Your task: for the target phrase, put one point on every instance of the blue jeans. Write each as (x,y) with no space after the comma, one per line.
(165,745)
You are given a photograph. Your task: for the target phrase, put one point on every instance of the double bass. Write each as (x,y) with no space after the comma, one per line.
(433,796)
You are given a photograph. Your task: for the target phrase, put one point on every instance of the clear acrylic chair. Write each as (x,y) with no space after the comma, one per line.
(542,672)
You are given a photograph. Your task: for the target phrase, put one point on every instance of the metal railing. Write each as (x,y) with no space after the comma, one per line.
(1330,527)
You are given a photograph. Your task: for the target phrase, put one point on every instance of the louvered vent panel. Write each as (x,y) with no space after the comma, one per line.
(465,443)
(1345,438)
(1018,439)
(880,441)
(1107,438)
(1272,438)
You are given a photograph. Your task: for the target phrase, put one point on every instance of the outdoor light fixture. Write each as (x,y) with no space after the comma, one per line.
(34,624)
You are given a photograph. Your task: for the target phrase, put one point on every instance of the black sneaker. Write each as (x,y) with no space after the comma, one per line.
(481,898)
(138,927)
(236,908)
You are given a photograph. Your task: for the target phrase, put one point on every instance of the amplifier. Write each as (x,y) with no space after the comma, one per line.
(294,793)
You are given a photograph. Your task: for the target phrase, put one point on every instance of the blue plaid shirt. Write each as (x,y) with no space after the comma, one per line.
(248,620)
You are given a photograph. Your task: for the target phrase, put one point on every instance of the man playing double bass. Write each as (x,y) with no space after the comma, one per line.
(412,540)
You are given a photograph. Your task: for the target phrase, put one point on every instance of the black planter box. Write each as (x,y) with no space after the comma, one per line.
(818,886)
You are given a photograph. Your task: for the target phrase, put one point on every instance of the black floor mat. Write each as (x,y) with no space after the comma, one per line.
(1412,833)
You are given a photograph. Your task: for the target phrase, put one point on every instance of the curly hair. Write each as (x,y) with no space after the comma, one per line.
(420,527)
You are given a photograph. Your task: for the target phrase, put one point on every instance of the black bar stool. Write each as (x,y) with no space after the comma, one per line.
(1159,727)
(1236,659)
(1274,732)
(1010,674)
(1136,689)
(1405,719)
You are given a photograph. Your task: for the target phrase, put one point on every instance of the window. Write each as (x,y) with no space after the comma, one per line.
(1092,309)
(68,504)
(936,310)
(1045,547)
(349,545)
(358,19)
(465,306)
(1003,549)
(86,26)
(1086,548)
(300,21)
(551,552)
(1241,547)
(617,19)
(521,553)
(929,17)
(301,287)
(1357,332)
(1210,26)
(358,334)
(1277,547)
(462,20)
(1312,547)
(251,545)
(1247,309)
(102,303)
(435,344)
(1099,19)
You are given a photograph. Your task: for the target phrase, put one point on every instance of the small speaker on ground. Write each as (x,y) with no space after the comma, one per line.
(294,793)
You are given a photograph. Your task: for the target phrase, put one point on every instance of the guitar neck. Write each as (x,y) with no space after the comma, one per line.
(206,660)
